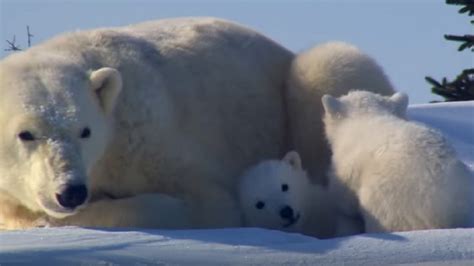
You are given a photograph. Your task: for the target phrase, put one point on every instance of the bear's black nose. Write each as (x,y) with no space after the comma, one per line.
(286,212)
(72,196)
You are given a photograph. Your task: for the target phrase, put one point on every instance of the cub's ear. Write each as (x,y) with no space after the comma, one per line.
(106,84)
(401,103)
(332,106)
(293,158)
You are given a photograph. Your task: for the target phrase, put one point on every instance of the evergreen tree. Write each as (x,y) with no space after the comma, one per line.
(462,87)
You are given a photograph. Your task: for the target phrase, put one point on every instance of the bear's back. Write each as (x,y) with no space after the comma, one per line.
(393,147)
(191,86)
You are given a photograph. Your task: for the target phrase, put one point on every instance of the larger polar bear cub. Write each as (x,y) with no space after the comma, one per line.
(146,125)
(401,175)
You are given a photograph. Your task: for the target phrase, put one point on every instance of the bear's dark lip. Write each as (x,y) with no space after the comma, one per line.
(292,221)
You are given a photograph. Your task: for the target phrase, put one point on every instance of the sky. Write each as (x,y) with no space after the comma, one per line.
(404,36)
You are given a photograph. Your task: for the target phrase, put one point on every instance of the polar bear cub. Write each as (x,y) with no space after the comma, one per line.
(400,175)
(277,194)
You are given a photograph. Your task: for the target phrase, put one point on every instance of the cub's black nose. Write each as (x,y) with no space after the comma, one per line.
(72,196)
(286,212)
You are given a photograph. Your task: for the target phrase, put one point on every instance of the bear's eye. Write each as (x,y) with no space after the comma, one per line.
(284,187)
(85,133)
(26,136)
(260,205)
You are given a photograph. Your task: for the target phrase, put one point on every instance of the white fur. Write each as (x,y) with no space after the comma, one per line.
(399,174)
(177,109)
(279,184)
(332,68)
(174,106)
(106,83)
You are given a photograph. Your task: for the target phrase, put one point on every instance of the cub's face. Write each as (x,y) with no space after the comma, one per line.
(273,194)
(54,130)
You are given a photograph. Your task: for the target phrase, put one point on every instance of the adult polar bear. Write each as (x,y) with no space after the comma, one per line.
(150,125)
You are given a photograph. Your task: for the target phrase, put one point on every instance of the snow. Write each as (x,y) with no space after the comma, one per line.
(251,246)
(76,246)
(455,120)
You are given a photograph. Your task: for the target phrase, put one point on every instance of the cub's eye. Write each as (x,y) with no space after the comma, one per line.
(26,136)
(85,133)
(260,205)
(284,187)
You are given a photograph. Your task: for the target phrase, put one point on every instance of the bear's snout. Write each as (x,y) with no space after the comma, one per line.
(289,215)
(72,196)
(286,212)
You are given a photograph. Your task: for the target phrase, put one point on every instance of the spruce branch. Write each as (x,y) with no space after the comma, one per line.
(467,41)
(468,6)
(460,89)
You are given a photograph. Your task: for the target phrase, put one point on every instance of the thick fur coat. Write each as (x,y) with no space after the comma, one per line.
(150,125)
(400,175)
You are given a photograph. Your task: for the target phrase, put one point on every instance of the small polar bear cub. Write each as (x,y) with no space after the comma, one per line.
(277,194)
(399,175)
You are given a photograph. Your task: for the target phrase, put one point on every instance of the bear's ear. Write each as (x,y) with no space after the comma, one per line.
(401,103)
(293,158)
(106,84)
(332,106)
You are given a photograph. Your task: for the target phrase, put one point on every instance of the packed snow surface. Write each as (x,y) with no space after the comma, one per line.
(251,246)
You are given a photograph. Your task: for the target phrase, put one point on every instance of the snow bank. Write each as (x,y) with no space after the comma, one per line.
(455,120)
(76,246)
(248,246)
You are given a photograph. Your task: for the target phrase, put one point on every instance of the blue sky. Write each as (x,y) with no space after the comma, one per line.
(405,37)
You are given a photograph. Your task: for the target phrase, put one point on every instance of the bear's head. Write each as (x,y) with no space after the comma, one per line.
(359,104)
(273,194)
(54,118)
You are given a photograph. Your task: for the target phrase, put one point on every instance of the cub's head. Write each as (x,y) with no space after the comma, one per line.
(362,103)
(273,193)
(54,118)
